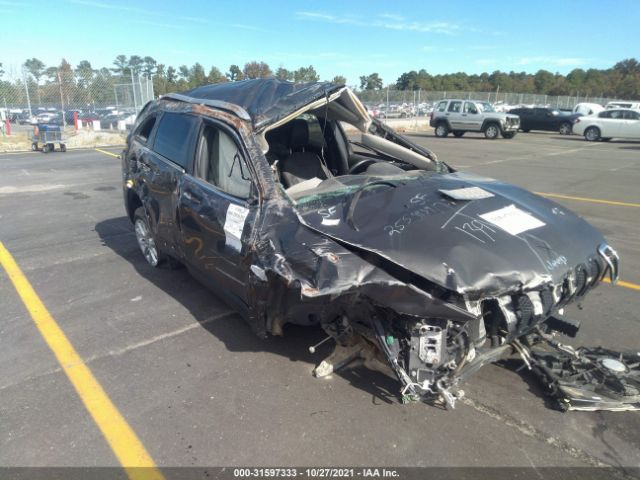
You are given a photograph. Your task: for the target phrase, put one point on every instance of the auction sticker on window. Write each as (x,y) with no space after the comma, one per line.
(234,224)
(512,220)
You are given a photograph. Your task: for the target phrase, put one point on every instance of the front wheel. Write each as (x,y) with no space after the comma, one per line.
(508,135)
(592,134)
(491,131)
(565,129)
(458,133)
(441,130)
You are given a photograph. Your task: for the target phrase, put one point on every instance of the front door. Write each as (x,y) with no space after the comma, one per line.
(217,211)
(471,117)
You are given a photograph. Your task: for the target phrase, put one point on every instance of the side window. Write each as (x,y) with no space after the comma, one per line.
(174,138)
(615,114)
(606,114)
(221,163)
(442,106)
(470,107)
(143,132)
(455,106)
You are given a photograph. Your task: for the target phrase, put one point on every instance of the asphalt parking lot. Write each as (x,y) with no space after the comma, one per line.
(198,388)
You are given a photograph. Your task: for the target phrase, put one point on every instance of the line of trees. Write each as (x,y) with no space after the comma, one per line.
(84,84)
(620,81)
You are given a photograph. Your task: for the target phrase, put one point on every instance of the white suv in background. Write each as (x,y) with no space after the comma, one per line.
(621,123)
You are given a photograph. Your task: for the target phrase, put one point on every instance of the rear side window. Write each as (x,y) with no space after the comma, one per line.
(455,106)
(145,129)
(175,137)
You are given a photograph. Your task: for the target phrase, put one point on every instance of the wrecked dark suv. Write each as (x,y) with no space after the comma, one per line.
(295,206)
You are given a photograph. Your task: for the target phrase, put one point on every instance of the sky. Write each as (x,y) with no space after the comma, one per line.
(349,38)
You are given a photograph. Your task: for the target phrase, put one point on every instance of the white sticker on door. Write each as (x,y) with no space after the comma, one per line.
(512,220)
(234,224)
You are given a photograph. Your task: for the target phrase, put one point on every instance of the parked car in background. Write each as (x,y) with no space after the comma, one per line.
(69,116)
(26,118)
(460,116)
(588,108)
(622,104)
(50,118)
(545,118)
(621,123)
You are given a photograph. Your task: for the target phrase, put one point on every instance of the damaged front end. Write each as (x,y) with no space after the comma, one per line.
(432,355)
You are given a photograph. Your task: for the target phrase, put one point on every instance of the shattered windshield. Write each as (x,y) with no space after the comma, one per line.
(348,185)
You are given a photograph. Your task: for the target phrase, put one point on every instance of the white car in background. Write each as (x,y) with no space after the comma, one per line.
(588,108)
(620,123)
(622,104)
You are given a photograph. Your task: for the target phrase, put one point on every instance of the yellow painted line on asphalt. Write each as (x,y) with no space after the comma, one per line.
(622,283)
(107,153)
(124,442)
(587,199)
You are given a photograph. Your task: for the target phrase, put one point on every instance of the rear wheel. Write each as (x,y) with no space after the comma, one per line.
(565,129)
(508,135)
(458,133)
(145,239)
(592,134)
(491,131)
(441,130)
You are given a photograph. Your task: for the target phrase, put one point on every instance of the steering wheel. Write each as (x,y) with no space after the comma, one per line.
(361,166)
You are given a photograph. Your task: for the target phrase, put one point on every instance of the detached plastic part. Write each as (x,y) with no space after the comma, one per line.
(589,378)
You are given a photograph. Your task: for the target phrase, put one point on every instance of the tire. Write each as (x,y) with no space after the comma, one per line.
(144,237)
(63,147)
(34,147)
(508,135)
(592,134)
(458,133)
(441,130)
(46,148)
(526,130)
(565,128)
(491,131)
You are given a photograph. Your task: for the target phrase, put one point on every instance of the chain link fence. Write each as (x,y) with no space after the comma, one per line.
(93,99)
(388,98)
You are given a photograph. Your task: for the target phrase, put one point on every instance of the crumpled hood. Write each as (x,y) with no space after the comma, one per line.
(455,243)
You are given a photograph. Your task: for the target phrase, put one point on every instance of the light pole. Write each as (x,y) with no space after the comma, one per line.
(26,89)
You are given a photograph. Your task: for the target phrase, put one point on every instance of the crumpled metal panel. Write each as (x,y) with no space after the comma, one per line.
(447,242)
(265,99)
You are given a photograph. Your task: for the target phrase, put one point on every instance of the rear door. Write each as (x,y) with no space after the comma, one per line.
(454,115)
(217,210)
(164,166)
